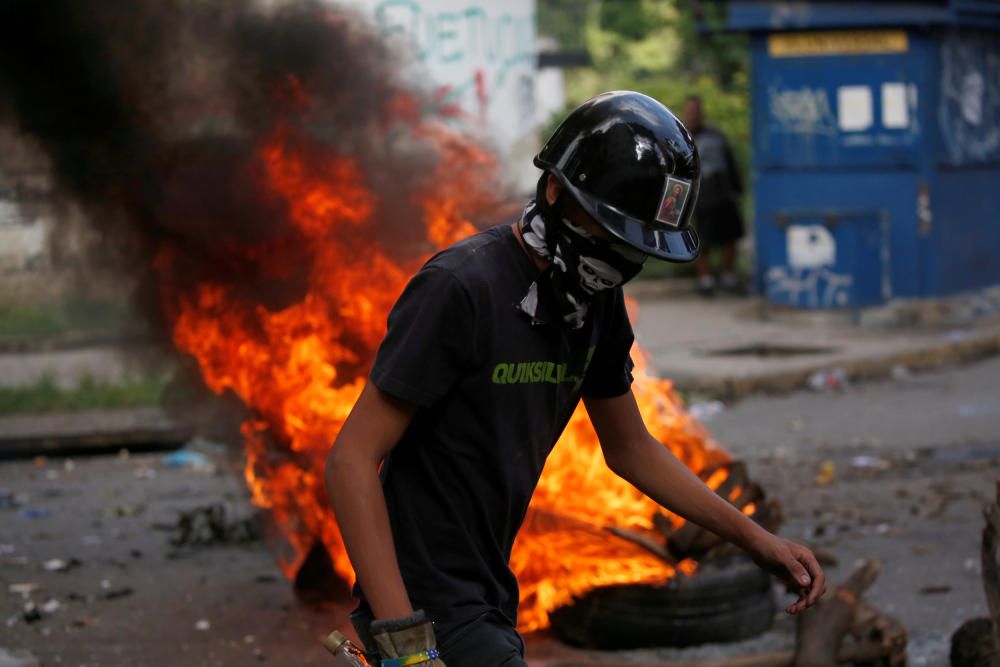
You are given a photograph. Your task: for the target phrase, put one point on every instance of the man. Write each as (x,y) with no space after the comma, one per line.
(464,426)
(717,214)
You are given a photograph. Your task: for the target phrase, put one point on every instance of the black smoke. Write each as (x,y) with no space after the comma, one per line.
(152,114)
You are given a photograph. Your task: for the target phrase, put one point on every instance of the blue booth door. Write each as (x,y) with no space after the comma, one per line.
(826,259)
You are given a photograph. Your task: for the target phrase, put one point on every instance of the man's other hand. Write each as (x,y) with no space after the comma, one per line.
(795,565)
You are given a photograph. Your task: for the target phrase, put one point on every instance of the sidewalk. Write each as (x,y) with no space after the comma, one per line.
(730,347)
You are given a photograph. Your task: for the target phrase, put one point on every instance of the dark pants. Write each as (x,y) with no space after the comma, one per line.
(485,641)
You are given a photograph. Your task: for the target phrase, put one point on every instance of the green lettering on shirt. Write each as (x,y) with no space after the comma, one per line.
(536,372)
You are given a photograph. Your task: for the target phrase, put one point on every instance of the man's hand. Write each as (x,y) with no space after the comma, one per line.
(636,456)
(794,564)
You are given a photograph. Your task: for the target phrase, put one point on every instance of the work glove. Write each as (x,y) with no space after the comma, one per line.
(407,641)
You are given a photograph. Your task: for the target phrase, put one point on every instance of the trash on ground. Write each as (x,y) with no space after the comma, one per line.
(870,463)
(827,471)
(50,606)
(18,658)
(706,410)
(34,513)
(143,471)
(60,565)
(185,458)
(212,525)
(124,511)
(24,588)
(833,379)
(935,589)
(116,593)
(9,500)
(203,625)
(31,613)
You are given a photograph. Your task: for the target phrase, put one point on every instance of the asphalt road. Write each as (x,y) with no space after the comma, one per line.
(896,470)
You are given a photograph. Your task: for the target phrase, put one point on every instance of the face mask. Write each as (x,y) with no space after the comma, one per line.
(600,264)
(582,266)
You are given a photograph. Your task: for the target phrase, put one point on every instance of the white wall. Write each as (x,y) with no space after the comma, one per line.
(478,54)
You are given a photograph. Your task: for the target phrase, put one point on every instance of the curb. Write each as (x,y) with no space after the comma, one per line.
(655,288)
(73,341)
(856,370)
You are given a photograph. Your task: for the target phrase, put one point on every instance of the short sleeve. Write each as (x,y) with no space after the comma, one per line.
(610,371)
(430,340)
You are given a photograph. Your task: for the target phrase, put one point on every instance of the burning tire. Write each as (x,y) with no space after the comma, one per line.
(726,601)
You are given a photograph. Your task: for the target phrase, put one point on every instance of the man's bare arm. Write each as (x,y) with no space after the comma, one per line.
(636,456)
(373,428)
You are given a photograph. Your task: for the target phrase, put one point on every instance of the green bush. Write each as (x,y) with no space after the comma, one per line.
(89,394)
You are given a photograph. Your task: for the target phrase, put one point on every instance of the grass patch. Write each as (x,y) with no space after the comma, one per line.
(74,315)
(46,396)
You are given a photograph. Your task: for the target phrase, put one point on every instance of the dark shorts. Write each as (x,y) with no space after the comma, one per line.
(485,641)
(719,224)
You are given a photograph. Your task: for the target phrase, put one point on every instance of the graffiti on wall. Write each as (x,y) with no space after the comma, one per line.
(969,108)
(811,288)
(808,279)
(481,55)
(802,110)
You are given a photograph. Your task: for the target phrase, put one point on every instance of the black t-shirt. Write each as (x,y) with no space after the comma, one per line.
(494,393)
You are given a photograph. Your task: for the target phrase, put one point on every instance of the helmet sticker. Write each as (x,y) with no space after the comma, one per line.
(675,193)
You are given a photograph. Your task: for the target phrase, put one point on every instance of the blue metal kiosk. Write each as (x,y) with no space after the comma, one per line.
(876,148)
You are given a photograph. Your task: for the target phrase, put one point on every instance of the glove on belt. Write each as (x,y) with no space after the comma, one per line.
(407,641)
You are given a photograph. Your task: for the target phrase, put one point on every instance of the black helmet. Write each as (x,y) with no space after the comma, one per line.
(633,166)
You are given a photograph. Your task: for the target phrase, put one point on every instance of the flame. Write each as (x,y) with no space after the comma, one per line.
(300,368)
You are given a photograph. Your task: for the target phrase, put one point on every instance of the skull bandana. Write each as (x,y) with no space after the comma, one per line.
(582,266)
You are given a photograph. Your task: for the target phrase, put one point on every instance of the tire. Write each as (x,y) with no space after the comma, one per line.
(727,602)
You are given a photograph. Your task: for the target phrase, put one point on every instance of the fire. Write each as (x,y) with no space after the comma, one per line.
(300,368)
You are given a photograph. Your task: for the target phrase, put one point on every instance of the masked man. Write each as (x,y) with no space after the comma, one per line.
(488,351)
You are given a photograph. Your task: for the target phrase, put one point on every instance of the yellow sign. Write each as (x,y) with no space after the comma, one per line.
(852,42)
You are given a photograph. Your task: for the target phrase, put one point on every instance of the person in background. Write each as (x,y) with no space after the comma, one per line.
(717,212)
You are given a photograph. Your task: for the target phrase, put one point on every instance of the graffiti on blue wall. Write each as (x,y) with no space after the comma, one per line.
(969,109)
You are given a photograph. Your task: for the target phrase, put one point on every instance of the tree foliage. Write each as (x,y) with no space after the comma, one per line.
(666,49)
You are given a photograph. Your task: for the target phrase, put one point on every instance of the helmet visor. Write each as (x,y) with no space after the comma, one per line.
(673,245)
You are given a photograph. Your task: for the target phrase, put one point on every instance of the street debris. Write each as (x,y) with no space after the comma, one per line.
(144,471)
(203,625)
(834,379)
(870,463)
(974,643)
(934,589)
(211,525)
(34,513)
(124,511)
(25,588)
(10,500)
(827,471)
(31,613)
(18,658)
(60,565)
(116,593)
(185,458)
(706,410)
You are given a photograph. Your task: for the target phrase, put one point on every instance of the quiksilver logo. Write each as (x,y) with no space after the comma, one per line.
(530,372)
(538,372)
